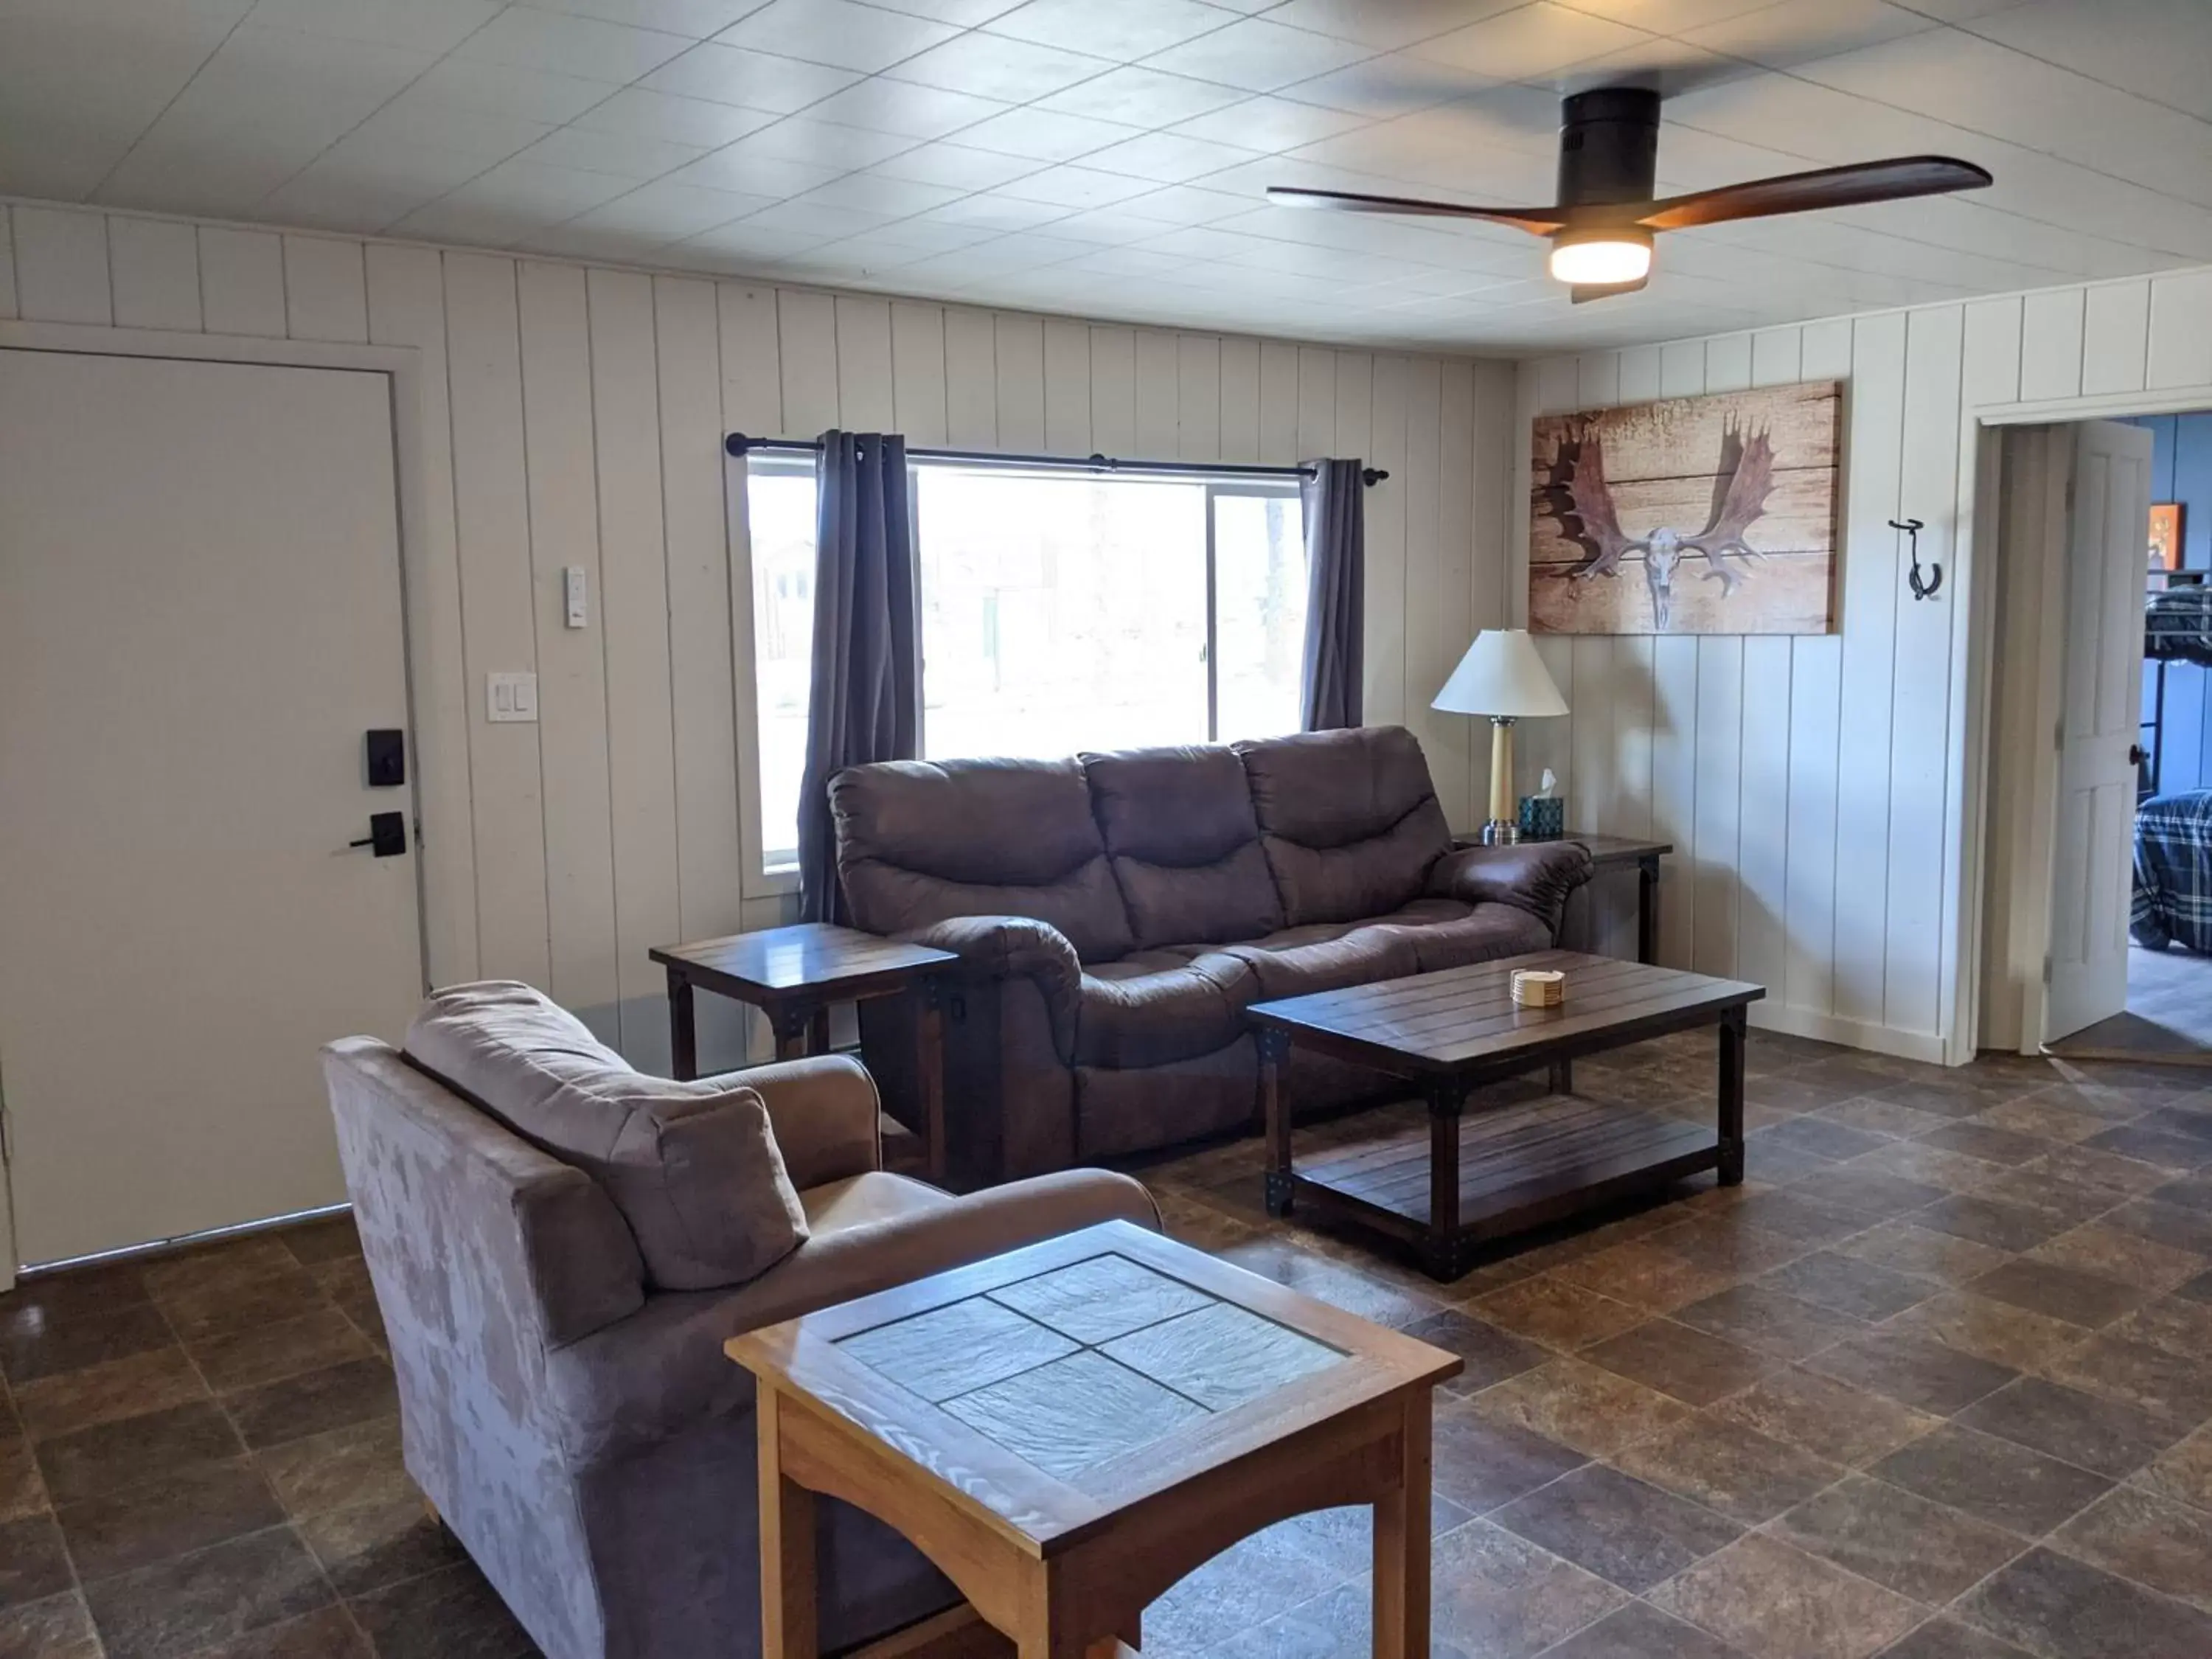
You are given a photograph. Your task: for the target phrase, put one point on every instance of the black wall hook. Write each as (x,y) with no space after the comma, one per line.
(1923,585)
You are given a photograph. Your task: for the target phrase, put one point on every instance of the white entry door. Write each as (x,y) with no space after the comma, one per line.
(199,619)
(2100,711)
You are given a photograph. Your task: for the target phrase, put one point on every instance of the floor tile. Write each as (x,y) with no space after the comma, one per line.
(1945,1638)
(1994,1480)
(2183,1471)
(2106,1436)
(2059,1609)
(1903,1542)
(33,1348)
(1832,1419)
(1904,1247)
(1803,1217)
(357,1464)
(1915,1370)
(1501,1597)
(346,1282)
(326,1633)
(34,1562)
(1872,1193)
(1979,1139)
(1726,1244)
(89,1462)
(2066,1293)
(1770,1320)
(1818,1137)
(172,1516)
(219,1306)
(314,1402)
(1479,1463)
(1994,1222)
(1556,1312)
(365,1546)
(1491,1355)
(1990,1330)
(1578,1405)
(57,1627)
(1691,1365)
(1247,1582)
(150,1381)
(440,1614)
(244,1357)
(2171,1224)
(1777,1602)
(21,1491)
(2094,1247)
(1646,1274)
(232,1261)
(2150,1540)
(1640,1630)
(1332,1282)
(2139,1374)
(2154,1146)
(1848,1285)
(1625,1531)
(192,1602)
(330,1239)
(2050,1184)
(1335,1625)
(2174,1323)
(1725,1465)
(2034,1115)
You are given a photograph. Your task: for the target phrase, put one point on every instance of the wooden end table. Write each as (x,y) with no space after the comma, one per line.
(794,974)
(1469,1178)
(1617,853)
(1067,1429)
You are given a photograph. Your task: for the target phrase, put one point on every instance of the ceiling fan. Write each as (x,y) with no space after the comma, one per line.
(1602,228)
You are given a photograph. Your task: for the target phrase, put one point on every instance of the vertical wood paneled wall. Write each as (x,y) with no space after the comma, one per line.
(1815,787)
(575,416)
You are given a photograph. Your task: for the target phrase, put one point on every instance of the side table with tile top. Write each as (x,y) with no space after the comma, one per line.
(794,975)
(1068,1429)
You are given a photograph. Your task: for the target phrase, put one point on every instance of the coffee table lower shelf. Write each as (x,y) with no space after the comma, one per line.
(1520,1166)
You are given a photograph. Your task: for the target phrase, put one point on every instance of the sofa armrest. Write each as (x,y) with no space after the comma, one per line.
(1535,877)
(825,1113)
(1006,947)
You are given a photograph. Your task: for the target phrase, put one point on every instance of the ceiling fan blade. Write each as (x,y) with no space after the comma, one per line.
(1825,187)
(1538,221)
(1583,293)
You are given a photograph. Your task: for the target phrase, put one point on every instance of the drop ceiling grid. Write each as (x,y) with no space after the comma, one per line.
(1109,158)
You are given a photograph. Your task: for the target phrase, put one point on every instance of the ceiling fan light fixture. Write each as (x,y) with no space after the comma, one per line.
(1602,258)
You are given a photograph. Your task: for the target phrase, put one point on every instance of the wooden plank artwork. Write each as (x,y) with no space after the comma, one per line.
(1693,515)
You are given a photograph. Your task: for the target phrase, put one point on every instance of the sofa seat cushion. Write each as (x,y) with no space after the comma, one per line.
(1155,1007)
(1325,956)
(1446,934)
(693,1167)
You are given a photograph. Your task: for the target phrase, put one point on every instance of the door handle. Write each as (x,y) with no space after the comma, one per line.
(387,835)
(2135,754)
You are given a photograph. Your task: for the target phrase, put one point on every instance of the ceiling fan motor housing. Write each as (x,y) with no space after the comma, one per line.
(1608,146)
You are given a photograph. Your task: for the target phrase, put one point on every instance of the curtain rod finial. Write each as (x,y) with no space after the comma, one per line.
(737,443)
(1371,475)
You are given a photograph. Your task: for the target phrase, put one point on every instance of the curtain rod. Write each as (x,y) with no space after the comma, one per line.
(738,445)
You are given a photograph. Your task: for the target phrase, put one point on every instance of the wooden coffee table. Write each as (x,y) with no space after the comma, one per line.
(1469,1178)
(1068,1429)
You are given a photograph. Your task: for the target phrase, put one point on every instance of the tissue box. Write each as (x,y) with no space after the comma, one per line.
(1543,817)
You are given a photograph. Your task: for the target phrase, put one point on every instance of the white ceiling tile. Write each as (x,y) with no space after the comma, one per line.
(955,167)
(549,192)
(431,25)
(333,197)
(1042,136)
(623,154)
(669,211)
(996,212)
(967,13)
(918,236)
(478,136)
(1142,98)
(1387,27)
(837,32)
(1533,40)
(992,66)
(500,89)
(522,37)
(381,151)
(881,105)
(1680,16)
(681,120)
(1185,205)
(1258,55)
(1128,262)
(1804,31)
(2160,49)
(752,79)
(1270,124)
(811,219)
(872,193)
(1395,83)
(1124,31)
(286,88)
(750,174)
(821,144)
(577,241)
(222,177)
(696,19)
(1073,187)
(1167,158)
(745,240)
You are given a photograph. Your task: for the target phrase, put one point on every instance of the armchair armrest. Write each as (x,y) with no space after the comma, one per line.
(825,1113)
(1004,947)
(1535,877)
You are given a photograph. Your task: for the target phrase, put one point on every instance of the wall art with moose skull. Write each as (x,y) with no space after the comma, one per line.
(1695,515)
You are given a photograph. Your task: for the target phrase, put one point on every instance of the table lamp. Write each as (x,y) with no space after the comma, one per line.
(1502,677)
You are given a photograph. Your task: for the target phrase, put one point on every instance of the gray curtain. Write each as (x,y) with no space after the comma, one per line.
(865,702)
(1336,577)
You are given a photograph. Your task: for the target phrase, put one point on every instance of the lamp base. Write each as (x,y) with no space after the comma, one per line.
(1501,832)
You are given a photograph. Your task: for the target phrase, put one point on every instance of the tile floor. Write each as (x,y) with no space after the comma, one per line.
(1935,1383)
(2169,1017)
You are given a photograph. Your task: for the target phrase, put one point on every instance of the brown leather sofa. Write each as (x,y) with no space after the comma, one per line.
(1116,914)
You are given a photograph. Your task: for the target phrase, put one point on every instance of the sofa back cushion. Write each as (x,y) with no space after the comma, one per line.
(1183,844)
(1349,820)
(693,1167)
(922,841)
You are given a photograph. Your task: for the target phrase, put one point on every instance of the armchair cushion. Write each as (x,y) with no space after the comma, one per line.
(825,1113)
(693,1167)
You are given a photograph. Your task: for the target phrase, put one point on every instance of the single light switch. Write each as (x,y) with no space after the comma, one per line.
(572,594)
(511,697)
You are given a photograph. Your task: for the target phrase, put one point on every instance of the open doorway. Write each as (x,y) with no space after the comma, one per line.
(2100,912)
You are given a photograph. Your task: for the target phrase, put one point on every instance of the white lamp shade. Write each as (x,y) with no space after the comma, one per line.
(1501,675)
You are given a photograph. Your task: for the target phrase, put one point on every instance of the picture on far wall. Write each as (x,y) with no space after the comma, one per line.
(2165,541)
(1694,515)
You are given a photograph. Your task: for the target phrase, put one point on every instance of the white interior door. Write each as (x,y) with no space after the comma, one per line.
(199,618)
(2099,714)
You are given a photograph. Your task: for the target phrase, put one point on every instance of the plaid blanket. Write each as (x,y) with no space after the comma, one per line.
(2178,625)
(2173,872)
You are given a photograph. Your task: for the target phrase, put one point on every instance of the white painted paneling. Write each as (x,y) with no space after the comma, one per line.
(7,283)
(917,372)
(2114,325)
(1240,400)
(1066,388)
(1316,401)
(971,379)
(865,381)
(1279,403)
(2051,343)
(61,265)
(1158,395)
(1114,391)
(1198,399)
(1020,348)
(325,294)
(1384,696)
(2180,350)
(753,362)
(242,282)
(156,267)
(1449,614)
(806,328)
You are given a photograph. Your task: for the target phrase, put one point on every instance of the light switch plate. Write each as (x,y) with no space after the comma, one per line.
(511,697)
(575,608)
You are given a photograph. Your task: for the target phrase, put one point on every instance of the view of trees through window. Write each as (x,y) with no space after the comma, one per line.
(1058,612)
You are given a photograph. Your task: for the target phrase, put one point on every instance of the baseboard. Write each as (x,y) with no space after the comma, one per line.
(1851,1033)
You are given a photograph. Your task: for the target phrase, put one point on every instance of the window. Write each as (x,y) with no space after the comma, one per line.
(1058,611)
